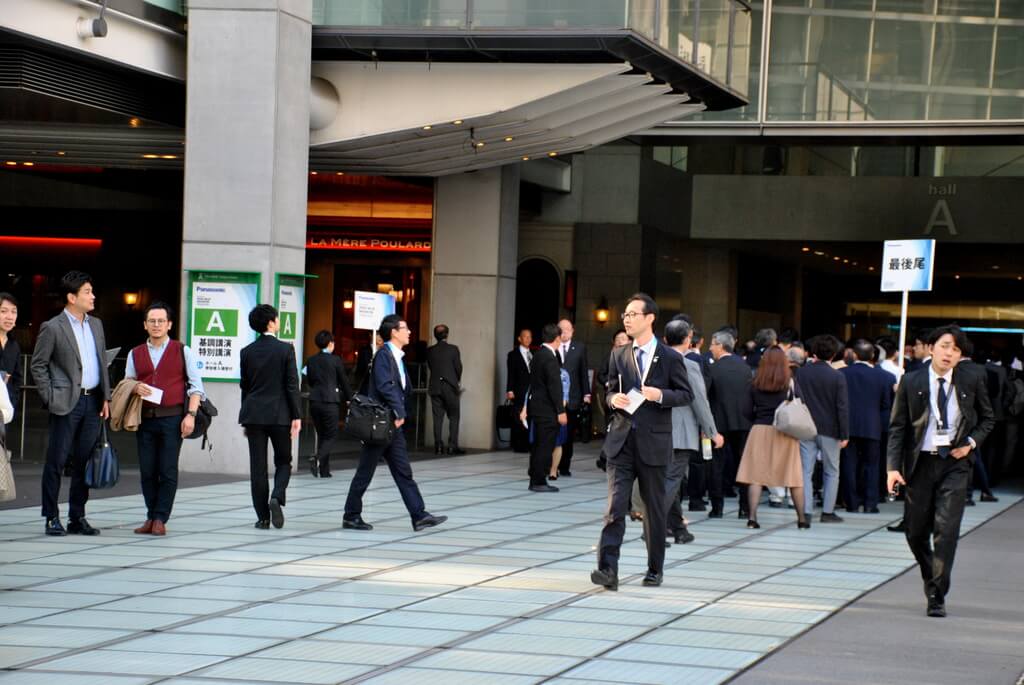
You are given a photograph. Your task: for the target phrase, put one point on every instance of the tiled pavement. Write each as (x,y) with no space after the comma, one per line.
(499,595)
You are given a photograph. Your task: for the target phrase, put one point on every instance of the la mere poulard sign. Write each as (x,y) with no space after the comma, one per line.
(391,242)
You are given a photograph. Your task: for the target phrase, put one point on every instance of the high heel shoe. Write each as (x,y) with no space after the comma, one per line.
(803,524)
(553,476)
(753,524)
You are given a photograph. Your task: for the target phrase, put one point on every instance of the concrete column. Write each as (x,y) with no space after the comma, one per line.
(246,162)
(476,218)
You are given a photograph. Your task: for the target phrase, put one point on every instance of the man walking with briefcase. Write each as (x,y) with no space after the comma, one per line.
(389,384)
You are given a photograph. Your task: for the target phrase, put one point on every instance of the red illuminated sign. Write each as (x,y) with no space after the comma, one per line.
(32,241)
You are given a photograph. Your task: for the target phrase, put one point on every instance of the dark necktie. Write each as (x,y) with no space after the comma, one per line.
(943,415)
(640,367)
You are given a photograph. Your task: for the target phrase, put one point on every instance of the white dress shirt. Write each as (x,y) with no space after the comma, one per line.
(398,354)
(527,355)
(952,409)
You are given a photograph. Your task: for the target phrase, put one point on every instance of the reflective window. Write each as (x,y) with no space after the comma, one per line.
(673,156)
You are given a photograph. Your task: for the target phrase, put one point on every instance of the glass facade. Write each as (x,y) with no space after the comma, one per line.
(712,35)
(885,61)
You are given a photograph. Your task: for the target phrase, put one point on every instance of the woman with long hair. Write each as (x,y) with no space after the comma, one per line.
(771,457)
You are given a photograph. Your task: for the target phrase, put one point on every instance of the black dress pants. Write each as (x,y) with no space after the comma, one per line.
(280,439)
(71,437)
(623,469)
(934,507)
(325,420)
(159,440)
(397,457)
(545,435)
(859,466)
(573,416)
(447,402)
(520,434)
(675,486)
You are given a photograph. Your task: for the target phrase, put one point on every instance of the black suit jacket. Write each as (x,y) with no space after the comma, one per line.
(579,377)
(386,383)
(653,420)
(729,393)
(870,391)
(998,382)
(270,383)
(912,411)
(445,366)
(517,376)
(325,374)
(823,390)
(545,403)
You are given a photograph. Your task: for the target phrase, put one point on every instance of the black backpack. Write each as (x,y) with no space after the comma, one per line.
(204,414)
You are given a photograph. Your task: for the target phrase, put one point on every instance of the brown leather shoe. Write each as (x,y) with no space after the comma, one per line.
(159,528)
(146,528)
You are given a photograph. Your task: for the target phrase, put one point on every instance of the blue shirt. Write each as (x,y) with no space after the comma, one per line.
(86,350)
(398,354)
(195,380)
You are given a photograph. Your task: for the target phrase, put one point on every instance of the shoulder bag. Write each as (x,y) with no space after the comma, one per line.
(792,417)
(205,412)
(7,489)
(369,420)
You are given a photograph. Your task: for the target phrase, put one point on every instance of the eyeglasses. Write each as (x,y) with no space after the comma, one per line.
(627,316)
(155,322)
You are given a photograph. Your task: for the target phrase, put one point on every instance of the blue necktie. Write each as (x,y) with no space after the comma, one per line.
(640,367)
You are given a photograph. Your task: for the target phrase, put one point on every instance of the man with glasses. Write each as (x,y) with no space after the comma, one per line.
(646,379)
(169,381)
(389,384)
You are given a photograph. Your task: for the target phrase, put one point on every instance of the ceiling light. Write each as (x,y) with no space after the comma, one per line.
(479,143)
(339,173)
(508,139)
(846,261)
(11,163)
(28,163)
(427,127)
(312,173)
(151,156)
(871,268)
(552,154)
(1020,278)
(457,122)
(168,156)
(957,277)
(819,253)
(836,258)
(855,263)
(995,267)
(61,153)
(526,158)
(805,249)
(135,122)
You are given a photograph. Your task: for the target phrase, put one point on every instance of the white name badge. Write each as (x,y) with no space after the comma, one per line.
(943,438)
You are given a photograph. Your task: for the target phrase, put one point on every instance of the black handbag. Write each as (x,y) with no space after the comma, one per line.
(505,416)
(102,470)
(204,413)
(368,420)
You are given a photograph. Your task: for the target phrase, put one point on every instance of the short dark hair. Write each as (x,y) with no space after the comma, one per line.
(440,332)
(676,331)
(261,316)
(698,336)
(863,349)
(72,282)
(616,334)
(550,332)
(157,304)
(650,306)
(525,329)
(959,337)
(7,297)
(923,335)
(323,339)
(789,335)
(888,344)
(683,317)
(824,347)
(389,324)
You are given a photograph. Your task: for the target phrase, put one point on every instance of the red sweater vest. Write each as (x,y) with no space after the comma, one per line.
(169,375)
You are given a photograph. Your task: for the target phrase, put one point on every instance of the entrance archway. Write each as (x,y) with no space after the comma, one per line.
(538,287)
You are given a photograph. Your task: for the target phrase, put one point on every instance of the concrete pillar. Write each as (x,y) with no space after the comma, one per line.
(246,162)
(476,218)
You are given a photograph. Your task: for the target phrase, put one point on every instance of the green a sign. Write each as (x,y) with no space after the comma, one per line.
(217,322)
(287,326)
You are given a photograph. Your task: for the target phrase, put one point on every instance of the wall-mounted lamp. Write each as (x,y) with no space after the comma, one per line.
(601,313)
(346,304)
(131,299)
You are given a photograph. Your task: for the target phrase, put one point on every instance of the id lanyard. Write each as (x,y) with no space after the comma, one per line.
(939,411)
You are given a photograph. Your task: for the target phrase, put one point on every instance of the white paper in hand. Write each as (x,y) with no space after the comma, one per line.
(636,398)
(155,395)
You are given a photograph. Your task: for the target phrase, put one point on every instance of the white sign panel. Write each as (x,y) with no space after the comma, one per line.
(370,308)
(291,306)
(218,327)
(908,265)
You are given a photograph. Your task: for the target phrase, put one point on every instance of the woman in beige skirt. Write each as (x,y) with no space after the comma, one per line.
(770,457)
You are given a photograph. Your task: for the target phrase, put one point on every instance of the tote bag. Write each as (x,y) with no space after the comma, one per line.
(793,418)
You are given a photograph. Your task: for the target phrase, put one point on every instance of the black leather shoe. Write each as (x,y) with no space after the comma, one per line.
(276,515)
(543,488)
(751,523)
(803,525)
(697,506)
(653,579)
(936,607)
(356,523)
(553,477)
(743,514)
(900,527)
(81,527)
(970,502)
(456,451)
(428,521)
(872,510)
(567,474)
(314,468)
(715,514)
(606,578)
(988,497)
(683,536)
(262,525)
(326,474)
(439,448)
(54,527)
(829,518)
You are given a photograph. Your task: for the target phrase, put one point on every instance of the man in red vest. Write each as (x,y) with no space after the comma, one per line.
(171,388)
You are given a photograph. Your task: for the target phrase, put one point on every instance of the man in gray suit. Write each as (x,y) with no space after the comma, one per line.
(70,370)
(688,423)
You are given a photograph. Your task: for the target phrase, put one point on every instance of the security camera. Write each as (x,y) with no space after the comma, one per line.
(92,28)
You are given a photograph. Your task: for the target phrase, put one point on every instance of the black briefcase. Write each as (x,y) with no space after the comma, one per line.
(505,416)
(369,421)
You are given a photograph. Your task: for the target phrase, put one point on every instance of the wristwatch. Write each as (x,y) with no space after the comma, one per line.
(192,413)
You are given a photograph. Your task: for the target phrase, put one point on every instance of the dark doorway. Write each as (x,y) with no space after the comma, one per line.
(538,287)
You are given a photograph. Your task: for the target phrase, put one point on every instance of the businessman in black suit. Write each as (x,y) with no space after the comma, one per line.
(270,410)
(329,391)
(445,364)
(639,443)
(941,416)
(389,384)
(517,383)
(728,394)
(574,358)
(870,398)
(545,408)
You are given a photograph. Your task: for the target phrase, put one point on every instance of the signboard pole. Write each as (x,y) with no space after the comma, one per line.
(903,327)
